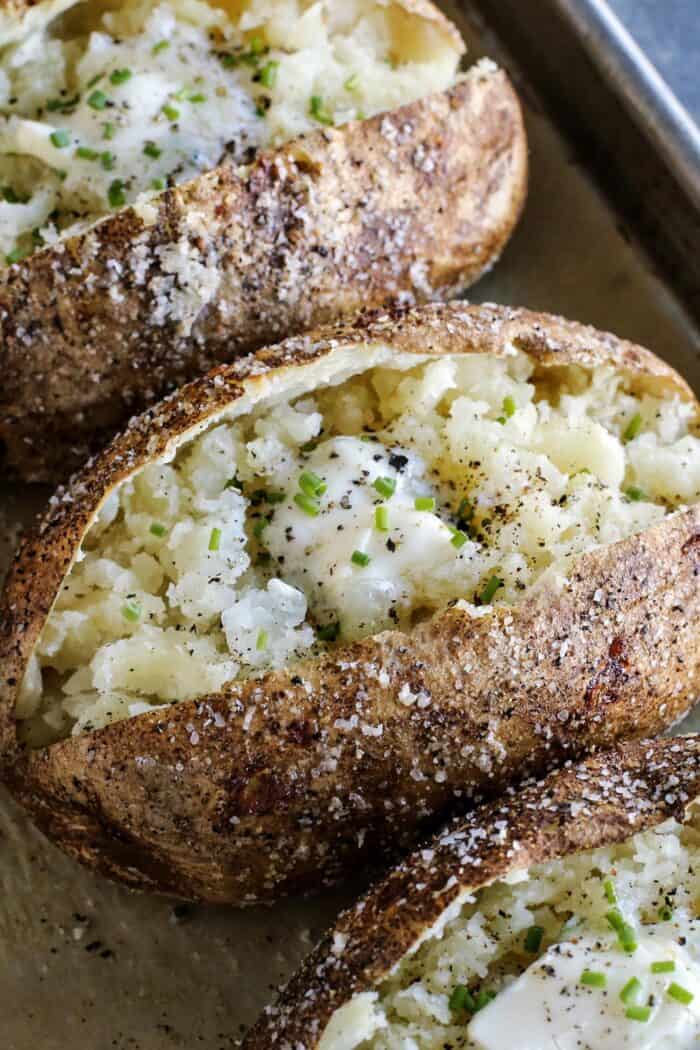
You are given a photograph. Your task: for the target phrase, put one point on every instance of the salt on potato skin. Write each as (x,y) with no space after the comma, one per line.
(286,782)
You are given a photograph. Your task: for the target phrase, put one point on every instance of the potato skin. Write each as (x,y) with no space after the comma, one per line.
(280,784)
(412,205)
(600,802)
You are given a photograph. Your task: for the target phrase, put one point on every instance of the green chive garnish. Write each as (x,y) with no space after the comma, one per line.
(120,76)
(631,991)
(329,633)
(171,112)
(664,966)
(215,540)
(635,494)
(666,913)
(116,194)
(483,999)
(107,160)
(162,45)
(16,255)
(638,1013)
(609,891)
(275,497)
(594,979)
(386,487)
(533,939)
(381,518)
(360,558)
(261,641)
(679,993)
(489,591)
(260,527)
(157,529)
(60,139)
(318,110)
(308,504)
(625,934)
(424,503)
(131,610)
(97,100)
(268,74)
(459,538)
(462,999)
(633,427)
(85,153)
(312,484)
(509,407)
(158,184)
(197,97)
(352,83)
(151,150)
(108,131)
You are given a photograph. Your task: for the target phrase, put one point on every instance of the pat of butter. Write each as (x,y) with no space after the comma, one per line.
(548,1008)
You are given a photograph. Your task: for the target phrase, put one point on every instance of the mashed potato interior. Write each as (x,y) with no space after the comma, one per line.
(598,951)
(369,505)
(112,103)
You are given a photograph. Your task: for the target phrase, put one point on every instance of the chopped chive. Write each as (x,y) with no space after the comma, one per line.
(664,966)
(60,139)
(666,913)
(197,97)
(360,558)
(260,527)
(97,100)
(157,529)
(308,504)
(107,160)
(215,540)
(108,130)
(509,406)
(381,518)
(151,150)
(268,74)
(594,979)
(131,611)
(120,76)
(679,993)
(262,640)
(85,153)
(162,45)
(16,255)
(489,591)
(94,80)
(257,45)
(60,174)
(158,184)
(533,939)
(631,991)
(329,633)
(461,999)
(638,1013)
(483,999)
(171,112)
(386,487)
(352,83)
(459,538)
(311,484)
(318,110)
(609,891)
(502,420)
(116,194)
(625,934)
(424,503)
(56,105)
(228,61)
(633,427)
(275,497)
(635,494)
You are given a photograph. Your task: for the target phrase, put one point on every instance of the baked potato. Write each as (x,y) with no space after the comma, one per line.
(322,594)
(185,182)
(565,916)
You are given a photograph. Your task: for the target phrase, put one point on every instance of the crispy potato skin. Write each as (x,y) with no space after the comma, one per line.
(598,803)
(414,204)
(279,784)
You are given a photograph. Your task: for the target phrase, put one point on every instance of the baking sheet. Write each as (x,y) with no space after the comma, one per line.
(90,965)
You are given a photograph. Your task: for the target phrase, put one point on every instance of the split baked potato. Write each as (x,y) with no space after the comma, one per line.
(565,916)
(320,595)
(186,181)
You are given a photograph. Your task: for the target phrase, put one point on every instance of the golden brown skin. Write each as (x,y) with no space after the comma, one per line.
(603,801)
(415,204)
(233,797)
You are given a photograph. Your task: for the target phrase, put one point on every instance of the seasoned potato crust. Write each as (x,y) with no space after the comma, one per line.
(534,832)
(279,783)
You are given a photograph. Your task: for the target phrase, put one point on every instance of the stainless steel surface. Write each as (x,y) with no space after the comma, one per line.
(87,965)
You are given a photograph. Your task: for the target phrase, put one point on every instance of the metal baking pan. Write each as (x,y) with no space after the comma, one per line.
(611,236)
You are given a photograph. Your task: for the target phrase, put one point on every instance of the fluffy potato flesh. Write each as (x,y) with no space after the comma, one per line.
(110,103)
(371,503)
(598,951)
